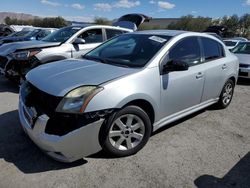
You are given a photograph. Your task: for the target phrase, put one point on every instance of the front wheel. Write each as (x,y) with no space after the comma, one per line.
(127,132)
(226,95)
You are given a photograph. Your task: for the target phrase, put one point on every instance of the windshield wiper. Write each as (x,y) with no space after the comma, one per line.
(95,59)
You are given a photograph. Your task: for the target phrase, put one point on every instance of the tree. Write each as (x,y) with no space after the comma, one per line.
(7,20)
(245,25)
(232,24)
(102,21)
(190,23)
(38,22)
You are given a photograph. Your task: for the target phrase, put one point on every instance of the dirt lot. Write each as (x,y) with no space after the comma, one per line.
(206,150)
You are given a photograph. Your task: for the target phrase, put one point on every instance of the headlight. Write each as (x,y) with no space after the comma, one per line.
(24,55)
(77,100)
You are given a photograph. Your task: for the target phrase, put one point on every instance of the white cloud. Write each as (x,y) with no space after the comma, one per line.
(79,18)
(152,2)
(165,5)
(194,12)
(119,4)
(126,4)
(50,3)
(77,6)
(103,6)
(247,2)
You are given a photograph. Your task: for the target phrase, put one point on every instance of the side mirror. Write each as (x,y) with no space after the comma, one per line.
(79,41)
(175,65)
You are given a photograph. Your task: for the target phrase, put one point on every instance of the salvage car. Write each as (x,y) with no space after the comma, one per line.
(123,90)
(27,35)
(69,42)
(242,51)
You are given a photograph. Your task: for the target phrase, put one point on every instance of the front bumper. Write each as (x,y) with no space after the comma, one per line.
(244,72)
(68,148)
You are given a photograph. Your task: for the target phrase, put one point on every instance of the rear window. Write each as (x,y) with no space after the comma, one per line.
(212,49)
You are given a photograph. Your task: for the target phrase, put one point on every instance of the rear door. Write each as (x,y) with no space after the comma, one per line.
(131,21)
(215,68)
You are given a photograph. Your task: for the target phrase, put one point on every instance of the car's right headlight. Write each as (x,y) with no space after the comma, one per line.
(77,100)
(24,55)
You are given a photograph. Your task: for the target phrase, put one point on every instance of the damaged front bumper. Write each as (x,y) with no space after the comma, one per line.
(70,147)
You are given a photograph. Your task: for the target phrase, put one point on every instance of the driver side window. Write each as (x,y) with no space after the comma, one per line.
(92,36)
(187,50)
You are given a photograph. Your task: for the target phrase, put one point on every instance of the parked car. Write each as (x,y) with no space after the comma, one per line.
(240,39)
(242,51)
(69,42)
(18,33)
(123,90)
(5,30)
(230,43)
(35,34)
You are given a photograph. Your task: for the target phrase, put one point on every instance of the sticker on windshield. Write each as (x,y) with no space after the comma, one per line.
(157,39)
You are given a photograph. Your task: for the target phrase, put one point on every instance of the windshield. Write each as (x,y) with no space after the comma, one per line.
(129,50)
(61,35)
(33,33)
(242,48)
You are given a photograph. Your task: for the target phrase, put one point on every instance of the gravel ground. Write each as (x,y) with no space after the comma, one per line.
(208,149)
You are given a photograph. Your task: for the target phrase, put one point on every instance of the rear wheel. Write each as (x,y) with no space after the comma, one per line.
(127,132)
(226,94)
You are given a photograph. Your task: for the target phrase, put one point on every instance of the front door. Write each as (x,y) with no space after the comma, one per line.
(92,37)
(183,89)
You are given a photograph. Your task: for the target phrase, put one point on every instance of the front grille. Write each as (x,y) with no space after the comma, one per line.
(244,65)
(3,62)
(43,102)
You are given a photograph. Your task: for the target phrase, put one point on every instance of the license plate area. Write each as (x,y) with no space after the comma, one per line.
(30,115)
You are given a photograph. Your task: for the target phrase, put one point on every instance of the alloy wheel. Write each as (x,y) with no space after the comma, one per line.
(126,132)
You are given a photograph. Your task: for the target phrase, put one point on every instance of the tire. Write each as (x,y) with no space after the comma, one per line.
(126,132)
(226,95)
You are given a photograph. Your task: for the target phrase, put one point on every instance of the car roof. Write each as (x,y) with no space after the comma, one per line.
(171,33)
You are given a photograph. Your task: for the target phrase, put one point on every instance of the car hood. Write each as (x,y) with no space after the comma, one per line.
(60,77)
(244,58)
(8,48)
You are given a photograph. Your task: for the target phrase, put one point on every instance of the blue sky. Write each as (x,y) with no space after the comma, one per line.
(87,10)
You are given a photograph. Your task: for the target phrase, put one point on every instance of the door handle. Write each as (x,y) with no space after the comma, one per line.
(224,66)
(199,75)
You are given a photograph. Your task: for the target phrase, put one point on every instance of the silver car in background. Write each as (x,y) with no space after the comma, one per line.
(123,90)
(242,51)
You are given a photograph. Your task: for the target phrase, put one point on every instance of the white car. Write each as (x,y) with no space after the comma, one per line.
(16,59)
(231,43)
(242,51)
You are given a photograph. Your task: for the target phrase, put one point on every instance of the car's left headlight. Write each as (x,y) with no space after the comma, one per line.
(77,100)
(24,55)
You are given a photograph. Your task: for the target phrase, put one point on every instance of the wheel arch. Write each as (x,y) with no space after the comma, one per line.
(145,106)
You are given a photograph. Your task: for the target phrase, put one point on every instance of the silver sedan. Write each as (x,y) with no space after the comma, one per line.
(123,90)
